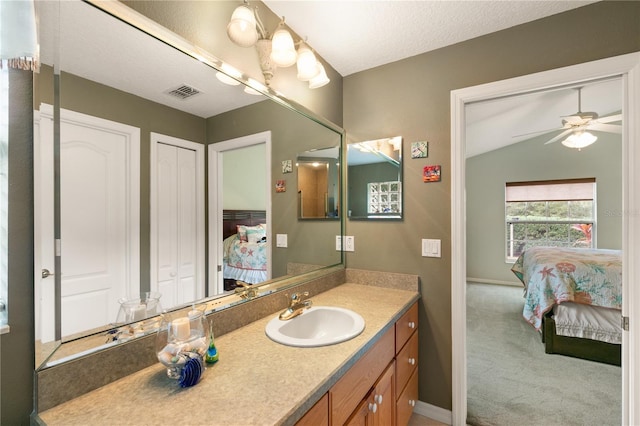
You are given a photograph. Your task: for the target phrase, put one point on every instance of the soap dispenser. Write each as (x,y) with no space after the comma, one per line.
(211,356)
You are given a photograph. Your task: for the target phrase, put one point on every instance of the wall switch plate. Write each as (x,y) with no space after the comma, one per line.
(281,240)
(349,243)
(430,248)
(338,242)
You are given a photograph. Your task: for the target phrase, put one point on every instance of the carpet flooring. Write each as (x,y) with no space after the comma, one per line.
(512,381)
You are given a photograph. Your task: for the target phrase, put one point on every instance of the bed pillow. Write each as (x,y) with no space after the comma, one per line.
(255,234)
(243,230)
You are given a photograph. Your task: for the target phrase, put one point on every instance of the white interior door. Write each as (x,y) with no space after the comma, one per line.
(177,223)
(99,221)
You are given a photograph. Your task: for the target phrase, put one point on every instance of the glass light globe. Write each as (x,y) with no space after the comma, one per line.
(242,27)
(307,68)
(579,140)
(283,52)
(320,79)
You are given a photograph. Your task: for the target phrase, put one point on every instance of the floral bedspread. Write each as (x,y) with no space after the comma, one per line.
(553,275)
(244,255)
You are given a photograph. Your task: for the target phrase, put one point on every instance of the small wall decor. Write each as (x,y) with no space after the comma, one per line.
(286,166)
(431,174)
(420,149)
(281,185)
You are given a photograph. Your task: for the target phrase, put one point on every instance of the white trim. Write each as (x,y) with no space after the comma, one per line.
(155,139)
(626,66)
(216,282)
(433,412)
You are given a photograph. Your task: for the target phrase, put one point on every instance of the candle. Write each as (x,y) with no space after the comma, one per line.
(181,328)
(138,312)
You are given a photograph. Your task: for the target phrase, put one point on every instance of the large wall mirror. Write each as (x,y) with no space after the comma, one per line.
(318,181)
(374,170)
(128,128)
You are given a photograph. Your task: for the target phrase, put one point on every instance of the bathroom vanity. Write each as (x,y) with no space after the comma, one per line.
(259,381)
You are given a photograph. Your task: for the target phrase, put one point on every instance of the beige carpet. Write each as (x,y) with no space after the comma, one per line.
(511,381)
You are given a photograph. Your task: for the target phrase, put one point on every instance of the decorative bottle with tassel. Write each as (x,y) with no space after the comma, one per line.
(211,356)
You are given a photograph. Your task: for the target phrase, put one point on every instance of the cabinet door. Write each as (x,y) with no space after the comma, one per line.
(407,400)
(384,398)
(361,416)
(318,415)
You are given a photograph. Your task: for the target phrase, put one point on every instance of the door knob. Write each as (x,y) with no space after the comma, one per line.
(46,273)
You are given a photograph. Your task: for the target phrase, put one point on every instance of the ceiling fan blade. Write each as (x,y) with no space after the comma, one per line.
(558,137)
(611,128)
(539,132)
(610,118)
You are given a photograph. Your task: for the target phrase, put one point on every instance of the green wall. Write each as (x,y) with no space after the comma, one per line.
(527,161)
(412,98)
(359,177)
(242,182)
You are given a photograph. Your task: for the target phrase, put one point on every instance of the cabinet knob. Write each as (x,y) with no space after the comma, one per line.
(373,407)
(378,399)
(412,361)
(412,402)
(412,324)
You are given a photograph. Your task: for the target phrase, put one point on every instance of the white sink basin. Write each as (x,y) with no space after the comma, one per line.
(316,326)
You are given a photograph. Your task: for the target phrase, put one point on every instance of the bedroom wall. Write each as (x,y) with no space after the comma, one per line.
(243,172)
(532,160)
(412,98)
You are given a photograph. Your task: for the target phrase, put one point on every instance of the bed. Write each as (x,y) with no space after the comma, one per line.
(244,235)
(574,298)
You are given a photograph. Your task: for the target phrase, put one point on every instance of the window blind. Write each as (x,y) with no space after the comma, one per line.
(552,190)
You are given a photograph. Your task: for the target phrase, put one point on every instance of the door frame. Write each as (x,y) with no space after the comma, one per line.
(215,192)
(628,68)
(155,139)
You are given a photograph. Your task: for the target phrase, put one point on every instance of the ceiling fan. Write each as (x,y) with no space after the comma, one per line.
(575,126)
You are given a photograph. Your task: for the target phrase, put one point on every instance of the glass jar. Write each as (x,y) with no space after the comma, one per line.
(180,338)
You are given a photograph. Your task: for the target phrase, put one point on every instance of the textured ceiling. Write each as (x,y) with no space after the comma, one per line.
(361,34)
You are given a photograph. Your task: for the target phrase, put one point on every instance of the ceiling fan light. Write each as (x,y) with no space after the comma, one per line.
(242,27)
(306,63)
(283,51)
(579,140)
(320,79)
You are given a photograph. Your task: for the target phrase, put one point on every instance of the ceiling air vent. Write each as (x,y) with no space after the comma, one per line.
(183,92)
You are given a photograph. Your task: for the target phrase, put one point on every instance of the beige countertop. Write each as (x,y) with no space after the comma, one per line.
(256,381)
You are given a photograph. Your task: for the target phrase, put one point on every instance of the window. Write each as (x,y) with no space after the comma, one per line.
(384,197)
(549,213)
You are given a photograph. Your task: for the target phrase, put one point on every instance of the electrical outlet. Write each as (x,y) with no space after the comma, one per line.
(338,242)
(349,243)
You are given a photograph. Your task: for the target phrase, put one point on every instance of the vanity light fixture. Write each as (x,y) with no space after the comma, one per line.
(246,29)
(579,139)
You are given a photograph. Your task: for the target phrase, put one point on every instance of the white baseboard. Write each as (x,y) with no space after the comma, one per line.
(433,412)
(498,282)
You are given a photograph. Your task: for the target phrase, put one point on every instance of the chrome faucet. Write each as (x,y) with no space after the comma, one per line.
(246,291)
(296,306)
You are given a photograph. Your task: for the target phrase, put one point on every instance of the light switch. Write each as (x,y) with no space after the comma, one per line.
(430,248)
(281,240)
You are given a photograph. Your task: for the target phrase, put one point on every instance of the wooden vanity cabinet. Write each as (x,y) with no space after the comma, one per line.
(378,408)
(381,388)
(406,365)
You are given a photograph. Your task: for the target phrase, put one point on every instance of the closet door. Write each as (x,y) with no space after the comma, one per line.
(176,225)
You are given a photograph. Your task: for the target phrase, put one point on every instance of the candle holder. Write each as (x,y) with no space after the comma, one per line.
(180,338)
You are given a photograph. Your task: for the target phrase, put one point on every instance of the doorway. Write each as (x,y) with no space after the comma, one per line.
(626,66)
(218,192)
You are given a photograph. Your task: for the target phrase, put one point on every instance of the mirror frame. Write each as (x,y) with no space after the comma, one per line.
(212,304)
(377,216)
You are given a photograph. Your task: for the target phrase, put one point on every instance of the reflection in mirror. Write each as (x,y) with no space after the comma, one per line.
(136,119)
(318,183)
(374,173)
